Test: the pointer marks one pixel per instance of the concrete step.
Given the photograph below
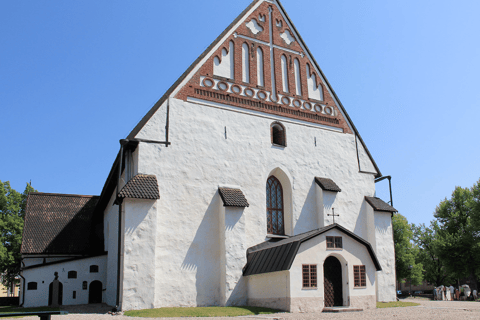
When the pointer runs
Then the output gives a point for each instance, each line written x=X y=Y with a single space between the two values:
x=341 y=309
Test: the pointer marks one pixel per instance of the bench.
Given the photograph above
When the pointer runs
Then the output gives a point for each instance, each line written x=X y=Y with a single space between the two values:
x=44 y=315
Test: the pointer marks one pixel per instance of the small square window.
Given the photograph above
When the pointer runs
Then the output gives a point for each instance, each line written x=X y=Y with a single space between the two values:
x=32 y=286
x=93 y=269
x=334 y=243
x=72 y=274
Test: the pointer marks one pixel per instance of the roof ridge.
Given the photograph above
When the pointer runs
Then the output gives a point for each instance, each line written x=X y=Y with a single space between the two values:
x=61 y=194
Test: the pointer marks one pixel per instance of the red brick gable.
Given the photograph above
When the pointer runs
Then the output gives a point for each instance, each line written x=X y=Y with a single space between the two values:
x=206 y=85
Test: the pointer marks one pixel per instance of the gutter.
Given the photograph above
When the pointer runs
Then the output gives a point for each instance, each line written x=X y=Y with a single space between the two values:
x=23 y=290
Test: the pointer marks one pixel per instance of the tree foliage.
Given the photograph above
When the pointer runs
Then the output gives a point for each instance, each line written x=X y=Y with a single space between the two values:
x=429 y=243
x=12 y=213
x=405 y=253
x=458 y=228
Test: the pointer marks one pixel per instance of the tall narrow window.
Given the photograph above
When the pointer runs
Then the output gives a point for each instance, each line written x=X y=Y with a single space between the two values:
x=298 y=84
x=260 y=80
x=284 y=73
x=278 y=134
x=309 y=275
x=245 y=64
x=359 y=276
x=275 y=224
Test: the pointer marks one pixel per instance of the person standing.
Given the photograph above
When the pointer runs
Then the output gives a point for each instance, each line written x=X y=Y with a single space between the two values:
x=452 y=292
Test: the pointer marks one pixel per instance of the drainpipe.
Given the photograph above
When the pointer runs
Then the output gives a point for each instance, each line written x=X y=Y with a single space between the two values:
x=23 y=291
x=120 y=226
x=389 y=186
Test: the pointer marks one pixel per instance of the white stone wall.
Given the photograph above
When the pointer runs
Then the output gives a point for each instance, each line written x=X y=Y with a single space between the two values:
x=314 y=251
x=110 y=224
x=139 y=254
x=45 y=275
x=385 y=251
x=270 y=290
x=201 y=157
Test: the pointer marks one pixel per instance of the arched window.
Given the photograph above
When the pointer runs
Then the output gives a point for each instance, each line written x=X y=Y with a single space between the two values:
x=298 y=84
x=278 y=134
x=72 y=274
x=275 y=221
x=93 y=268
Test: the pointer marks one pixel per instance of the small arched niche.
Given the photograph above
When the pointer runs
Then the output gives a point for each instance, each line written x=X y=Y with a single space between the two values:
x=286 y=188
x=278 y=134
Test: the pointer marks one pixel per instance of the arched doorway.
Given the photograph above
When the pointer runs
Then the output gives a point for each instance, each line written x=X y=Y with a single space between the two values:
x=60 y=293
x=332 y=272
x=95 y=292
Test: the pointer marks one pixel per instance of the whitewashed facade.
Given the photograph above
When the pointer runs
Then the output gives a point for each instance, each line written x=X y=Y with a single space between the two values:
x=215 y=129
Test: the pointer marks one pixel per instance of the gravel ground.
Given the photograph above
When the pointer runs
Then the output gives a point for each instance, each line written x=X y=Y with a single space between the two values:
x=438 y=310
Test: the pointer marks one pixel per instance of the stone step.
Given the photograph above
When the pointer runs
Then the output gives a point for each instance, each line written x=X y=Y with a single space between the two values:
x=341 y=309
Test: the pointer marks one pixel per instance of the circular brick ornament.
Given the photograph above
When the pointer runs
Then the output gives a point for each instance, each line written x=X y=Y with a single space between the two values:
x=207 y=82
x=286 y=101
x=262 y=95
x=236 y=89
x=222 y=85
x=307 y=105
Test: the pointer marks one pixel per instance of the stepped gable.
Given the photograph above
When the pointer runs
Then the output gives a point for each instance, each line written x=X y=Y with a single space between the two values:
x=238 y=71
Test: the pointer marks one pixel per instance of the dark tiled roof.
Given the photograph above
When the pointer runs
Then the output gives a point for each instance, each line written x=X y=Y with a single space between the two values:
x=327 y=184
x=141 y=186
x=278 y=255
x=233 y=197
x=380 y=205
x=61 y=224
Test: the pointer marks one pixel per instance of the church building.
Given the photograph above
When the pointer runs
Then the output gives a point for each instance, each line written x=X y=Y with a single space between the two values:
x=247 y=183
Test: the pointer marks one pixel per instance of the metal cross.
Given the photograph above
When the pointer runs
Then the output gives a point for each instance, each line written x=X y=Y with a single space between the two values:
x=333 y=214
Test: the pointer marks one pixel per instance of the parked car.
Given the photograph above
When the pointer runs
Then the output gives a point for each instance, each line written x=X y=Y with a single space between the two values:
x=418 y=292
x=399 y=292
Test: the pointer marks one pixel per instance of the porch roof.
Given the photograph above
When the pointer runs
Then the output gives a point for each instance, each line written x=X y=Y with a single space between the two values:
x=278 y=255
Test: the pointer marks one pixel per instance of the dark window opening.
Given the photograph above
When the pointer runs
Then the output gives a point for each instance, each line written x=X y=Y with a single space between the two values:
x=72 y=274
x=32 y=286
x=278 y=134
x=359 y=276
x=275 y=223
x=334 y=242
x=85 y=285
x=309 y=275
x=74 y=294
x=93 y=269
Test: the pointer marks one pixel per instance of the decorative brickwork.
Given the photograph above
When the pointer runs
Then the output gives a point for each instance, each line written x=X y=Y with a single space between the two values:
x=271 y=98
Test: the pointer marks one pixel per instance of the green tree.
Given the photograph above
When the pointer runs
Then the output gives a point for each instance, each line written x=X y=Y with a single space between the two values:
x=406 y=265
x=458 y=220
x=429 y=244
x=12 y=213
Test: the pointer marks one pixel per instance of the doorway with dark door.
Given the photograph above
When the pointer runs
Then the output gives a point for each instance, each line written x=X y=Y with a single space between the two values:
x=333 y=286
x=95 y=292
x=60 y=293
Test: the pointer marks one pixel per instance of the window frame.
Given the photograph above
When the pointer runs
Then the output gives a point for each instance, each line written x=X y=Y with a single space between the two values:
x=72 y=274
x=32 y=285
x=359 y=276
x=274 y=137
x=334 y=242
x=309 y=276
x=92 y=267
x=270 y=227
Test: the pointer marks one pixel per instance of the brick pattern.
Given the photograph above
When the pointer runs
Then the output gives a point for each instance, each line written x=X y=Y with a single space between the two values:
x=380 y=205
x=193 y=88
x=60 y=223
x=233 y=197
x=327 y=184
x=141 y=186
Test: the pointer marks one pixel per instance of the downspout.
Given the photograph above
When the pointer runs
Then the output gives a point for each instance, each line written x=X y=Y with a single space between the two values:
x=23 y=290
x=389 y=186
x=119 y=261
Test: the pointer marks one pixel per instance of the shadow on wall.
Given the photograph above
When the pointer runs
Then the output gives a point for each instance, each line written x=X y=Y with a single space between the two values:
x=238 y=297
x=133 y=220
x=203 y=256
x=307 y=220
x=361 y=225
x=82 y=234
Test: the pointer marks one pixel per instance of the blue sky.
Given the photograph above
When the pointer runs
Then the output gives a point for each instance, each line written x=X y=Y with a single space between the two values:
x=76 y=76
